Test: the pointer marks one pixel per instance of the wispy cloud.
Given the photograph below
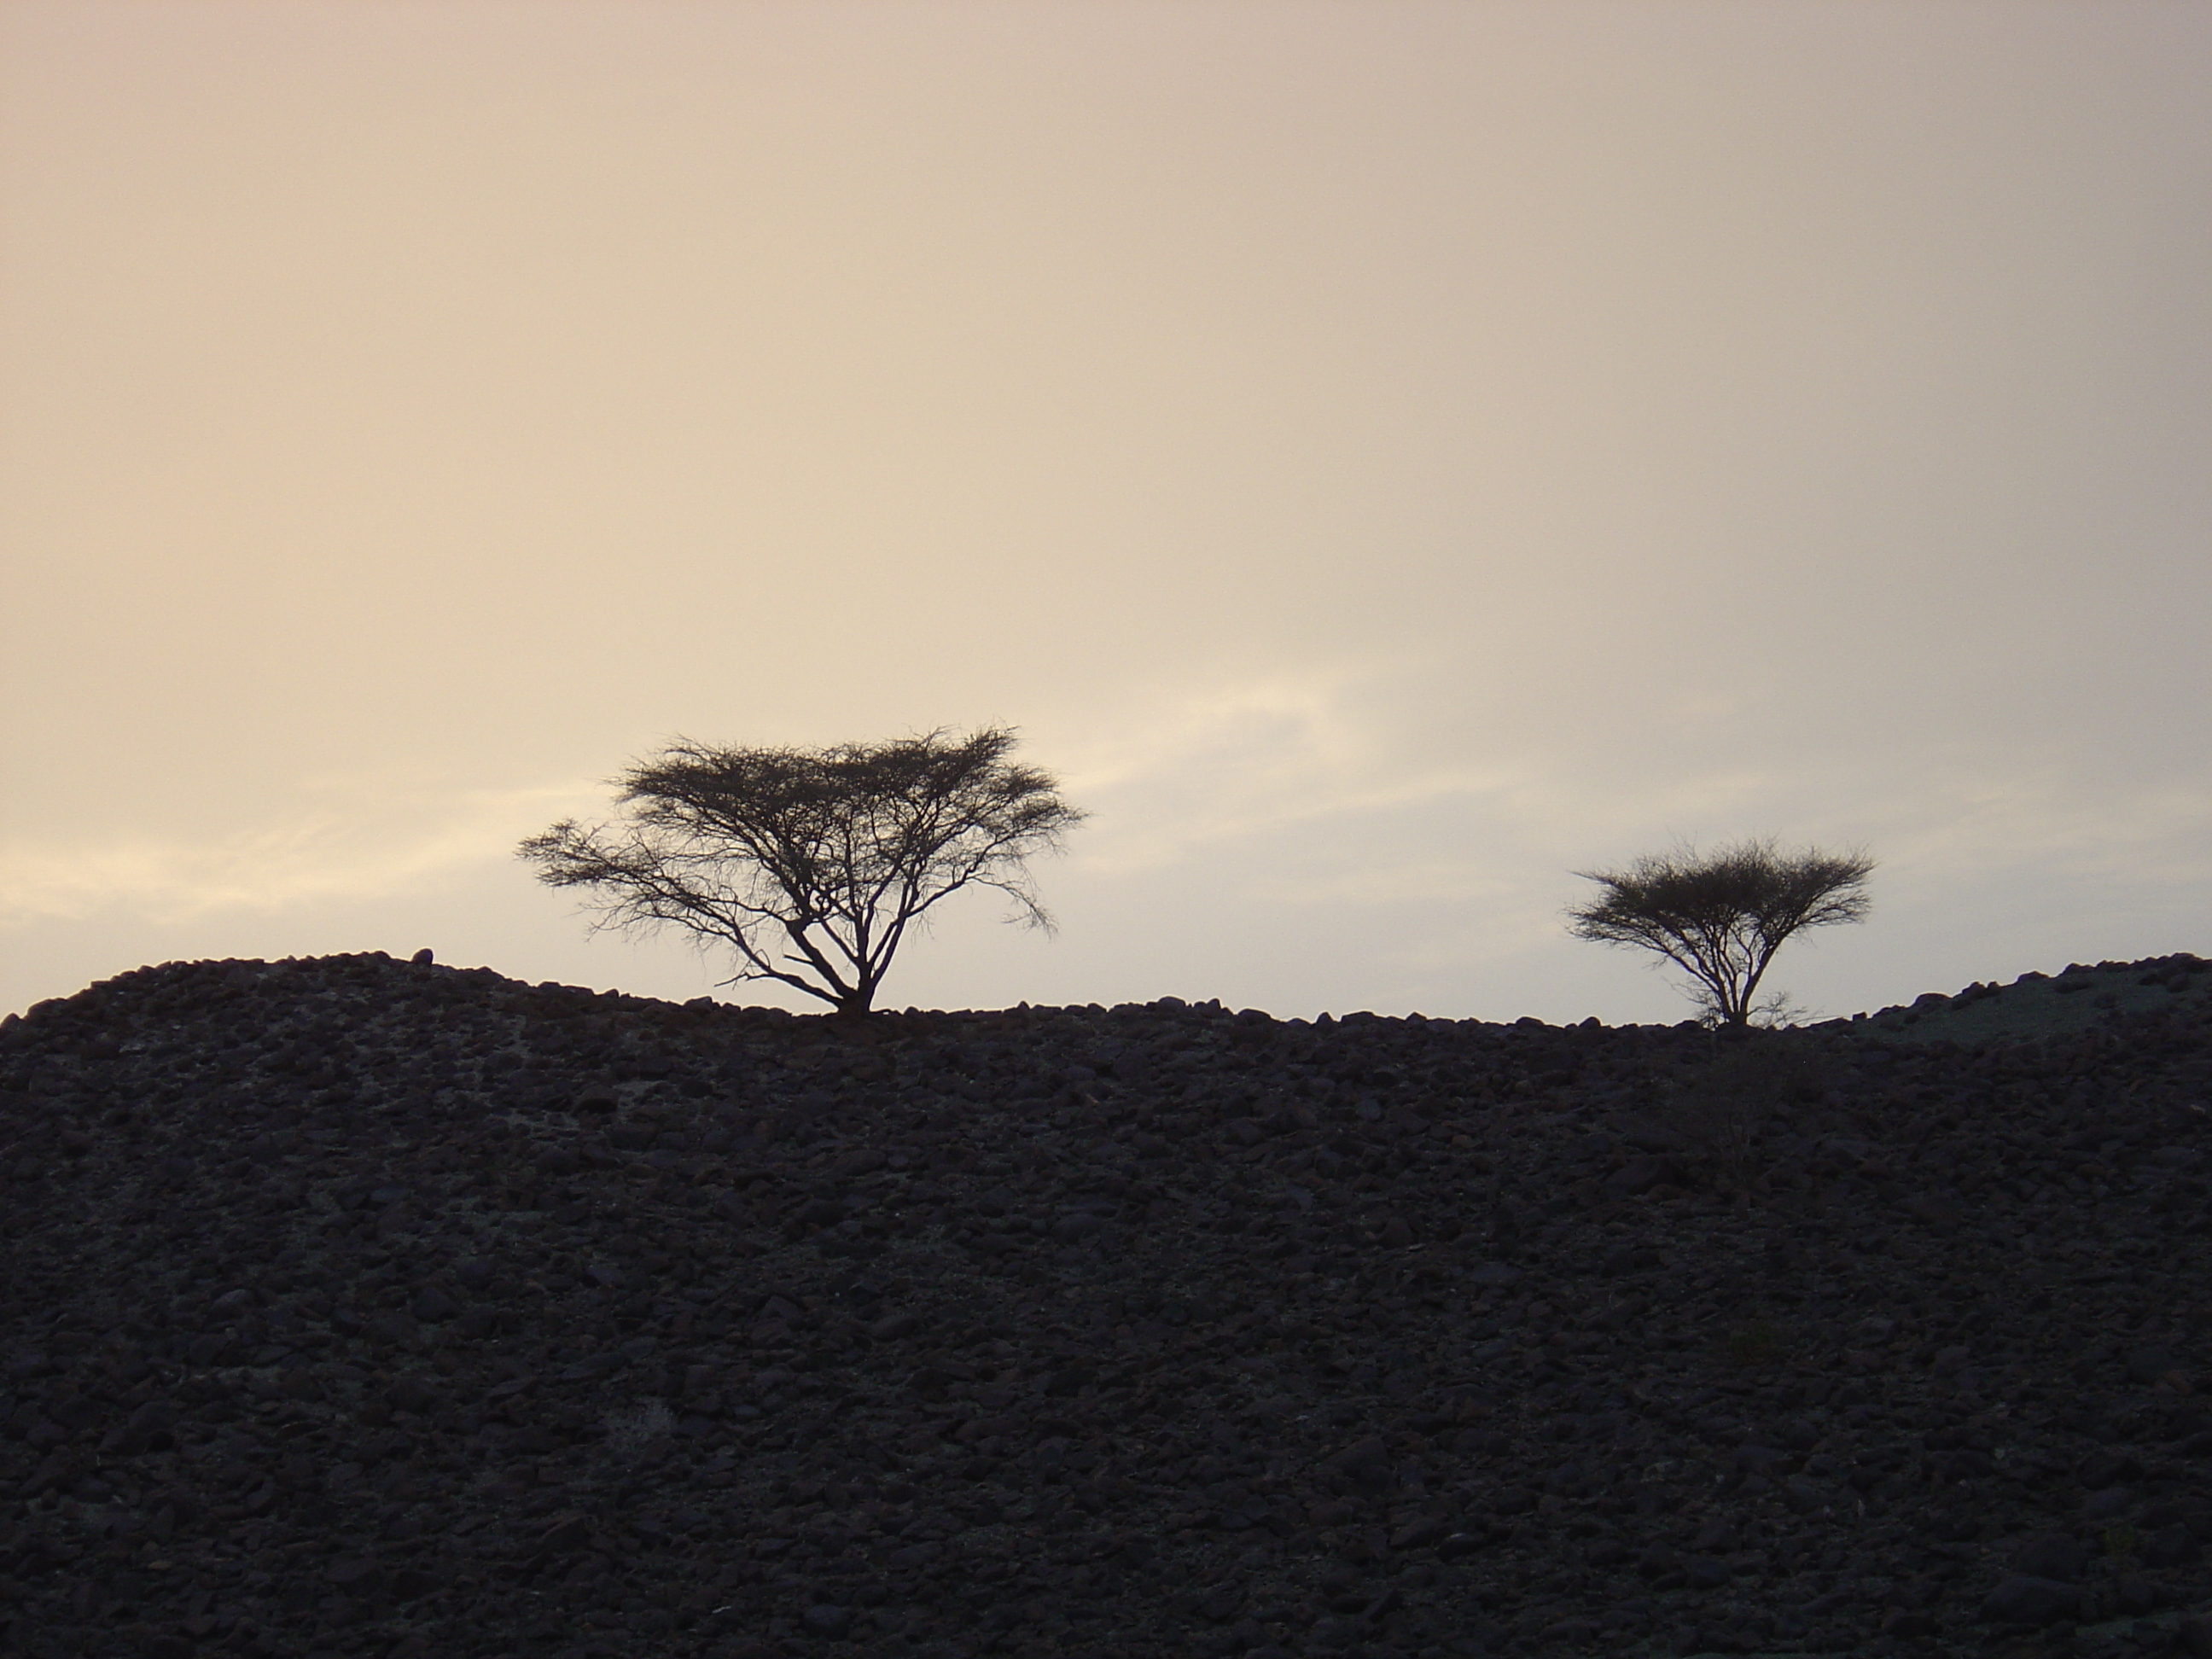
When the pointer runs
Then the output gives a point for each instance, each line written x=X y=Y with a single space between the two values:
x=1368 y=785
x=1271 y=756
x=2050 y=816
x=348 y=839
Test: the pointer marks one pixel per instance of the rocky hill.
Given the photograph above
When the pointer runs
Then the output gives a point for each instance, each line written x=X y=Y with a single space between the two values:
x=354 y=1306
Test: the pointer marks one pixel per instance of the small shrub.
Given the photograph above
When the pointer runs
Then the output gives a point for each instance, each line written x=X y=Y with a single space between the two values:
x=1722 y=1110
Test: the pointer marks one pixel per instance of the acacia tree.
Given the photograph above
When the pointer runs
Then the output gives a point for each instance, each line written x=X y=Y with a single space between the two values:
x=1721 y=916
x=812 y=864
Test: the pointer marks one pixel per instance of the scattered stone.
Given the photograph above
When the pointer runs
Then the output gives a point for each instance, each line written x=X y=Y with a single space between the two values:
x=412 y=1394
x=464 y=1315
x=2107 y=1505
x=2029 y=1601
x=824 y=1620
x=2055 y=1555
x=1938 y=1213
x=1641 y=1176
x=1421 y=1533
x=433 y=1307
x=1707 y=1572
x=1628 y=1259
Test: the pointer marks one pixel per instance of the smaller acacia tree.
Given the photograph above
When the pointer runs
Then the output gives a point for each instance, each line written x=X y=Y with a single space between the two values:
x=1721 y=916
x=812 y=863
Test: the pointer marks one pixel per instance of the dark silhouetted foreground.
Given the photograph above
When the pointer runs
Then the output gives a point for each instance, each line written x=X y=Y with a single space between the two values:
x=366 y=1308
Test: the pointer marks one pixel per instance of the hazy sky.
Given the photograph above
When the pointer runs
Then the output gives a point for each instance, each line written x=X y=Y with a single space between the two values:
x=1384 y=457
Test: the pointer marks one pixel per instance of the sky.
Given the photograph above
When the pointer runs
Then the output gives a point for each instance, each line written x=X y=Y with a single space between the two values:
x=1385 y=457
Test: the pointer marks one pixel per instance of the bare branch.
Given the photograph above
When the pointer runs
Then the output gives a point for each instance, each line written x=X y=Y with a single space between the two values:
x=1722 y=916
x=829 y=853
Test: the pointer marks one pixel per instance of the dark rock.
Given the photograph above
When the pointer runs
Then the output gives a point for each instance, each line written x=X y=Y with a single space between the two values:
x=2108 y=1505
x=356 y=1575
x=2110 y=1467
x=1718 y=1532
x=2030 y=1600
x=1628 y=1259
x=1806 y=1497
x=2170 y=1546
x=2148 y=1364
x=2054 y=1555
x=1366 y=1459
x=2137 y=1597
x=675 y=1428
x=433 y=1306
x=826 y=1620
x=1707 y=1571
x=1933 y=1211
x=1648 y=1137
x=565 y=1532
x=1421 y=1533
x=1759 y=1459
x=1640 y=1176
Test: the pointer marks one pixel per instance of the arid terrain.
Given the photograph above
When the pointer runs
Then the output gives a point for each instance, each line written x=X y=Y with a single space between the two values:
x=362 y=1307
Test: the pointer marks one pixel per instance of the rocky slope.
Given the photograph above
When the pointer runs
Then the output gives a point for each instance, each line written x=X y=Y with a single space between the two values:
x=354 y=1306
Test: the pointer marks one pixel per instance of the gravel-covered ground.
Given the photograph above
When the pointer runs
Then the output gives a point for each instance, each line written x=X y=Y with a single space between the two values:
x=354 y=1306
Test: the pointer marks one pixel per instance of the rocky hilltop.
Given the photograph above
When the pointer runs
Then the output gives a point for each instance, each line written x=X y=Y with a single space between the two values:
x=356 y=1306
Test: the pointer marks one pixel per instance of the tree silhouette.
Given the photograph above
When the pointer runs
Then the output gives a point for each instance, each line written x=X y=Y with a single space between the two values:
x=812 y=864
x=1721 y=916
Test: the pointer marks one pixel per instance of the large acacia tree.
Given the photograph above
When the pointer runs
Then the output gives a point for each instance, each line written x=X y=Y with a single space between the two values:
x=812 y=864
x=1721 y=916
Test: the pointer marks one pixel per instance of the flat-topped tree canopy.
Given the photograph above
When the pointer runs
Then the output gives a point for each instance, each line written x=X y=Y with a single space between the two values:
x=1722 y=915
x=812 y=864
